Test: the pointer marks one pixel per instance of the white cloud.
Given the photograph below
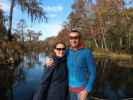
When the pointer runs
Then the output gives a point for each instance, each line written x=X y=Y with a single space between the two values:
x=54 y=9
x=5 y=7
x=52 y=15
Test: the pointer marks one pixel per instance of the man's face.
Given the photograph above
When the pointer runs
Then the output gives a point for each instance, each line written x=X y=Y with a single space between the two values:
x=74 y=39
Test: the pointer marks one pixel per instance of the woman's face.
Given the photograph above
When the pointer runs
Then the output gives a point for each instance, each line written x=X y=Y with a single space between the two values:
x=59 y=50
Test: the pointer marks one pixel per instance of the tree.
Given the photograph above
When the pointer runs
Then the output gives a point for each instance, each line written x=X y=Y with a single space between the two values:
x=3 y=30
x=83 y=18
x=1 y=20
x=32 y=42
x=32 y=7
x=106 y=24
x=32 y=35
x=21 y=25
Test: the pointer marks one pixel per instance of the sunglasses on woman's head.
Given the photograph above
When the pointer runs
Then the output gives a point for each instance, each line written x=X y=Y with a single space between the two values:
x=60 y=49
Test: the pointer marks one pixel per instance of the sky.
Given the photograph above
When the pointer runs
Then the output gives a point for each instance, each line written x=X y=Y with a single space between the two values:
x=57 y=12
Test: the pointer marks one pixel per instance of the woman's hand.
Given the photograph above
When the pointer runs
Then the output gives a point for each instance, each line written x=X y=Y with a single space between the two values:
x=49 y=62
x=83 y=95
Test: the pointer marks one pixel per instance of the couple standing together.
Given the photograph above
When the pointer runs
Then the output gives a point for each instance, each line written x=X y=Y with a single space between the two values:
x=71 y=74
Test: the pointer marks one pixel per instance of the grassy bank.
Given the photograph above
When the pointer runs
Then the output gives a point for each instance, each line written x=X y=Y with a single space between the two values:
x=102 y=53
x=121 y=59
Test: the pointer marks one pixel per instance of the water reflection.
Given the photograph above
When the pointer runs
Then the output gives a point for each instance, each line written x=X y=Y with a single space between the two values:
x=113 y=82
x=30 y=72
x=7 y=76
x=19 y=82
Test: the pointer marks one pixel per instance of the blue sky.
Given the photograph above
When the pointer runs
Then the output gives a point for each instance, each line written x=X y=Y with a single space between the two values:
x=57 y=12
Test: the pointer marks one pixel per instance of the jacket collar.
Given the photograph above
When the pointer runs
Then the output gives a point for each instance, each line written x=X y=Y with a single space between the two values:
x=59 y=59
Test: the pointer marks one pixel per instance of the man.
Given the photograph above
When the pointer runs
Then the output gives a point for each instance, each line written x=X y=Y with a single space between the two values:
x=81 y=68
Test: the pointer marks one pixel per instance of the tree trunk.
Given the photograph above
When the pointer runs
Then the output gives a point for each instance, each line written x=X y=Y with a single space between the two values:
x=22 y=35
x=10 y=19
x=0 y=5
x=96 y=43
x=1 y=17
x=104 y=42
x=121 y=44
x=129 y=39
x=102 y=45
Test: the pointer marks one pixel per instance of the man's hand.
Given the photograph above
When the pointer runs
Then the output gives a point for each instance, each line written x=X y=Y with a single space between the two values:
x=83 y=95
x=49 y=62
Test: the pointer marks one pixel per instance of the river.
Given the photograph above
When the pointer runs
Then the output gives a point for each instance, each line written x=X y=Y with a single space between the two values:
x=21 y=81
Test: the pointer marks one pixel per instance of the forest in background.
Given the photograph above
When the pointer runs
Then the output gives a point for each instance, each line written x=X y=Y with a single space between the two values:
x=105 y=25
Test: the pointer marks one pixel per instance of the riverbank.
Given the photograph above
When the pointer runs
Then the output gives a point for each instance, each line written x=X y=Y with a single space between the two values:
x=121 y=58
x=10 y=52
x=102 y=53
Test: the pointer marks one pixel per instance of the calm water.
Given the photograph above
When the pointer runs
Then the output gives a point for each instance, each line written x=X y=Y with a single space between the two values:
x=31 y=71
x=114 y=82
x=20 y=83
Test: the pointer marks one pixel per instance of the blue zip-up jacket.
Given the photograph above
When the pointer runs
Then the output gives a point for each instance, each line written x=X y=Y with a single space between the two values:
x=81 y=68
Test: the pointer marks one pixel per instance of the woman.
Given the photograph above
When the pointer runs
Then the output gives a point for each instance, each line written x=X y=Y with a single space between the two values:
x=54 y=85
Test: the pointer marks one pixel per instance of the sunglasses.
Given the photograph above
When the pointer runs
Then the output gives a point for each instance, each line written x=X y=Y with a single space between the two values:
x=60 y=49
x=73 y=37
